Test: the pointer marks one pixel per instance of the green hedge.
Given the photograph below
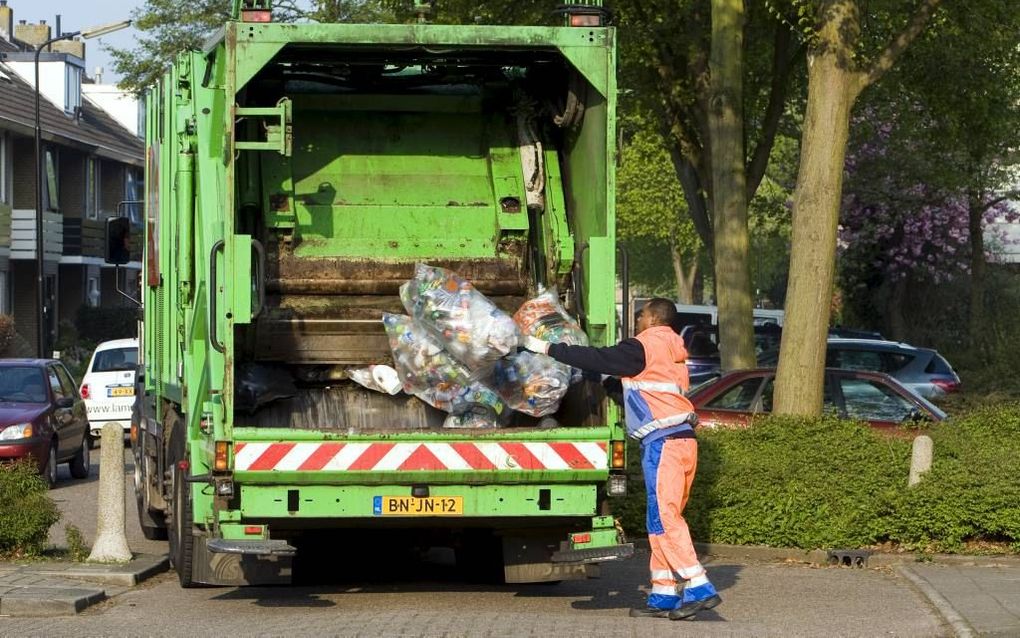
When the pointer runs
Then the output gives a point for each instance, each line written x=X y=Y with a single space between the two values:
x=26 y=509
x=821 y=483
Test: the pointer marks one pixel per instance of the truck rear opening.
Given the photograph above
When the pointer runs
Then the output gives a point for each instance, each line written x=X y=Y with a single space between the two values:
x=396 y=156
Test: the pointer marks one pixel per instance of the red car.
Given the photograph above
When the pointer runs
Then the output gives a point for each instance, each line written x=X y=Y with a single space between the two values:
x=43 y=417
x=732 y=399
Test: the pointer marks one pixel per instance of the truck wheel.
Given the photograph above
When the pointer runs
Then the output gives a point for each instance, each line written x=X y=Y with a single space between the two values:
x=182 y=540
x=153 y=524
x=82 y=461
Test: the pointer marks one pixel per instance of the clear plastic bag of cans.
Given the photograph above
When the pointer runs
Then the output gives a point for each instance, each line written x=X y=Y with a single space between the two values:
x=545 y=318
x=531 y=383
x=428 y=372
x=468 y=324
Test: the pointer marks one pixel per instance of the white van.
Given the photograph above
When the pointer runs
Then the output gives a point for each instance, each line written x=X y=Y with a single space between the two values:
x=108 y=386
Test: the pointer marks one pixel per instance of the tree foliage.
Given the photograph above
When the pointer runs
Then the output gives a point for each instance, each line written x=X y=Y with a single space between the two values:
x=930 y=166
x=170 y=27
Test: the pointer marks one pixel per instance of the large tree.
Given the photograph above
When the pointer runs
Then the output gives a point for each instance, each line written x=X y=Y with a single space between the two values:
x=843 y=60
x=717 y=76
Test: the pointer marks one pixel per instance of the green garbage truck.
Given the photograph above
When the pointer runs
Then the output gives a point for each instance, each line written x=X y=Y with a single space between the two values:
x=295 y=174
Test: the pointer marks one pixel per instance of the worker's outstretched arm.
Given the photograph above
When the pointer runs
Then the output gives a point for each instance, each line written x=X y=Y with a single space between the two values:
x=625 y=359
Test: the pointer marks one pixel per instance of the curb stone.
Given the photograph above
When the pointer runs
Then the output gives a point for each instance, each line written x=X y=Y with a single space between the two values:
x=938 y=601
x=48 y=601
x=142 y=567
x=56 y=589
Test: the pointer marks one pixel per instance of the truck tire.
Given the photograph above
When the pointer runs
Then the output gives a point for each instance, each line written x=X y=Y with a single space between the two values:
x=182 y=540
x=153 y=524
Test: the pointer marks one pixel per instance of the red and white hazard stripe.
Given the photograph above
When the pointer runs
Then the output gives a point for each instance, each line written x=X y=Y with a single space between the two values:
x=411 y=457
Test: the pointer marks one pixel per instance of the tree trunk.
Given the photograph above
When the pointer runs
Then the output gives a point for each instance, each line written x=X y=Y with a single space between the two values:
x=894 y=318
x=975 y=215
x=729 y=195
x=832 y=89
x=684 y=277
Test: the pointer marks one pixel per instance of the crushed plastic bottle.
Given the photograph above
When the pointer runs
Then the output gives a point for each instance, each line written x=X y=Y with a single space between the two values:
x=428 y=372
x=465 y=321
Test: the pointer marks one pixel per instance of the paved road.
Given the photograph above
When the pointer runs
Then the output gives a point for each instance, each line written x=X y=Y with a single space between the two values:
x=389 y=595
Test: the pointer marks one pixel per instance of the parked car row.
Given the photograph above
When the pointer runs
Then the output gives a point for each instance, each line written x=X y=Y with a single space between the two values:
x=922 y=370
x=46 y=417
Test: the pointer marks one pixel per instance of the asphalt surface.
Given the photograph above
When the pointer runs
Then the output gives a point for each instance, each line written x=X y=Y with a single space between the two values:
x=759 y=600
x=373 y=591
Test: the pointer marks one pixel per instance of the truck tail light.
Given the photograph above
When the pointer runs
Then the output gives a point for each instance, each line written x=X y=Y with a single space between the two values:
x=84 y=391
x=619 y=460
x=222 y=453
x=579 y=539
x=256 y=15
x=585 y=20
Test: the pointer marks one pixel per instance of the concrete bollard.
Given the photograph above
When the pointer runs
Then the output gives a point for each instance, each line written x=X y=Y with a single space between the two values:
x=111 y=544
x=920 y=460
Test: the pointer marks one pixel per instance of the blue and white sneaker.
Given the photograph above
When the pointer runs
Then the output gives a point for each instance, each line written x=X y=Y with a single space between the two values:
x=696 y=599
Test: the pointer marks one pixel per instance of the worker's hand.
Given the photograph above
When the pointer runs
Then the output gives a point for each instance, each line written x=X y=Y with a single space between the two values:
x=535 y=345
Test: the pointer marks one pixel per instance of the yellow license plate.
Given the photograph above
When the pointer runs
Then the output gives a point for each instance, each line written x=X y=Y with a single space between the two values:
x=122 y=392
x=414 y=506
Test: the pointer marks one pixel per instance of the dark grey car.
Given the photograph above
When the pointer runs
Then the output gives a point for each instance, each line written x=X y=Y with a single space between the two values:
x=922 y=370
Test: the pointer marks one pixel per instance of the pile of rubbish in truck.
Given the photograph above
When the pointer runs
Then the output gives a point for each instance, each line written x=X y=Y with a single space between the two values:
x=458 y=352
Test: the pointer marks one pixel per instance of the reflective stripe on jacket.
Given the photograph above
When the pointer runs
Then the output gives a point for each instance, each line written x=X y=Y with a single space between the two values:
x=653 y=400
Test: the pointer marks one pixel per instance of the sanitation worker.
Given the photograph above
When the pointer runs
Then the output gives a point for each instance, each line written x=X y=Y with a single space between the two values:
x=654 y=377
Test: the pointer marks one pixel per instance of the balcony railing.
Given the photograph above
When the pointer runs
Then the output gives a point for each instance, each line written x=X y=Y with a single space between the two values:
x=23 y=235
x=5 y=226
x=83 y=237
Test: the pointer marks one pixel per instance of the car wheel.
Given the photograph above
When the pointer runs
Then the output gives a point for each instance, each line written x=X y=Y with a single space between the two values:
x=50 y=473
x=81 y=464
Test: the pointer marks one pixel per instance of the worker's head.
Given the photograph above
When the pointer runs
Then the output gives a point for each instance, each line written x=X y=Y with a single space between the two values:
x=657 y=312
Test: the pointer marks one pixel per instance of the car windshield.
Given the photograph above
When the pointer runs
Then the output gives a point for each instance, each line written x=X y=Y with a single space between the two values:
x=22 y=384
x=115 y=360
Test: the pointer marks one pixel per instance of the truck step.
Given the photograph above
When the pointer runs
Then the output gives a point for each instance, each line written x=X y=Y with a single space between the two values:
x=252 y=547
x=594 y=554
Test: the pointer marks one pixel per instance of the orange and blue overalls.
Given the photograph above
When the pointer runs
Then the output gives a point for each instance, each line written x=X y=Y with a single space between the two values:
x=654 y=378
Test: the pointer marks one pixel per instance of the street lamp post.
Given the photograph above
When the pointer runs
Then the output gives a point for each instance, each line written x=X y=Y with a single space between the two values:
x=91 y=32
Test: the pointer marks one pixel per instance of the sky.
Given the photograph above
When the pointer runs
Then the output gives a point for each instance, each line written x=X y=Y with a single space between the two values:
x=79 y=14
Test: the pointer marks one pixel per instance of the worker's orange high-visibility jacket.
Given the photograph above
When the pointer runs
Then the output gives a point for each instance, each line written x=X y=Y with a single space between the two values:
x=653 y=400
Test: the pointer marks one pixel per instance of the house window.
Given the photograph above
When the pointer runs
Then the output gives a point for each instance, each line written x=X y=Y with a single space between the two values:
x=133 y=193
x=92 y=188
x=72 y=88
x=92 y=293
x=51 y=197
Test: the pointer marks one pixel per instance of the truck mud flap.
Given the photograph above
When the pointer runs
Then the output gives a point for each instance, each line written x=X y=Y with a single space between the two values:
x=228 y=563
x=594 y=554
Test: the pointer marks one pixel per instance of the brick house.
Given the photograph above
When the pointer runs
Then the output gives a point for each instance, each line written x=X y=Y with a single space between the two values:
x=93 y=166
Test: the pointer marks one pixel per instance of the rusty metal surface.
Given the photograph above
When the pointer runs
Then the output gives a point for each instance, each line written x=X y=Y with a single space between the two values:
x=288 y=273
